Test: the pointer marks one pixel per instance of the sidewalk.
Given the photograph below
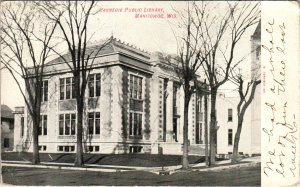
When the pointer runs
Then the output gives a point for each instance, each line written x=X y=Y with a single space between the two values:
x=225 y=164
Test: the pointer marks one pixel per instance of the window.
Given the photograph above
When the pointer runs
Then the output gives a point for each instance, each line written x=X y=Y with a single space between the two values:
x=94 y=85
x=66 y=148
x=94 y=123
x=45 y=91
x=199 y=133
x=67 y=88
x=6 y=143
x=22 y=126
x=43 y=125
x=230 y=114
x=135 y=87
x=67 y=124
x=136 y=104
x=135 y=124
x=229 y=136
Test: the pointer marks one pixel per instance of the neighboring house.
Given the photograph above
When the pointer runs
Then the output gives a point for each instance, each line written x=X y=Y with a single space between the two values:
x=227 y=112
x=134 y=103
x=7 y=128
x=227 y=122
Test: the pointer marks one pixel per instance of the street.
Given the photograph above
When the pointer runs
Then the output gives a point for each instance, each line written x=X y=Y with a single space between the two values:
x=244 y=176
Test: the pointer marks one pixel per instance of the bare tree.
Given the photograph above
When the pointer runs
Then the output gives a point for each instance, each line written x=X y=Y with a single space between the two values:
x=219 y=30
x=246 y=92
x=25 y=40
x=74 y=24
x=186 y=65
x=209 y=39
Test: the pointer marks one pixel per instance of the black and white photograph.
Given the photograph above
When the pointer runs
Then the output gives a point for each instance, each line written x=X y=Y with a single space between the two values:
x=149 y=93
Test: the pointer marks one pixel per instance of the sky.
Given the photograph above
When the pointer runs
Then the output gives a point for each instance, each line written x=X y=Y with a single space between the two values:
x=149 y=34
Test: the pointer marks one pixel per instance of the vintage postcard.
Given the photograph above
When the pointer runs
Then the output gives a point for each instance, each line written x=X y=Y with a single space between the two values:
x=149 y=93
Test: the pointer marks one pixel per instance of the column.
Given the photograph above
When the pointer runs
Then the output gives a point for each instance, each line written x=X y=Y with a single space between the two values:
x=169 y=112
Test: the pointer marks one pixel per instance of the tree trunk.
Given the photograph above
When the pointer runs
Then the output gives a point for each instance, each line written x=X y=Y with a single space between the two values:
x=35 y=115
x=213 y=129
x=35 y=136
x=80 y=103
x=237 y=139
x=206 y=131
x=185 y=161
x=79 y=151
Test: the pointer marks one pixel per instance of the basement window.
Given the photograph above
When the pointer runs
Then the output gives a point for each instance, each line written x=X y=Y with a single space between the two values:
x=42 y=148
x=66 y=148
x=135 y=149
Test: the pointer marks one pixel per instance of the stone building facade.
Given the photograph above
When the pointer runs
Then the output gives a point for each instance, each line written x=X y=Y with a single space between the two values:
x=134 y=103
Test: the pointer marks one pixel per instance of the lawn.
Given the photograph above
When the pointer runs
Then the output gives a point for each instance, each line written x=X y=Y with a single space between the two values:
x=245 y=176
x=143 y=160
